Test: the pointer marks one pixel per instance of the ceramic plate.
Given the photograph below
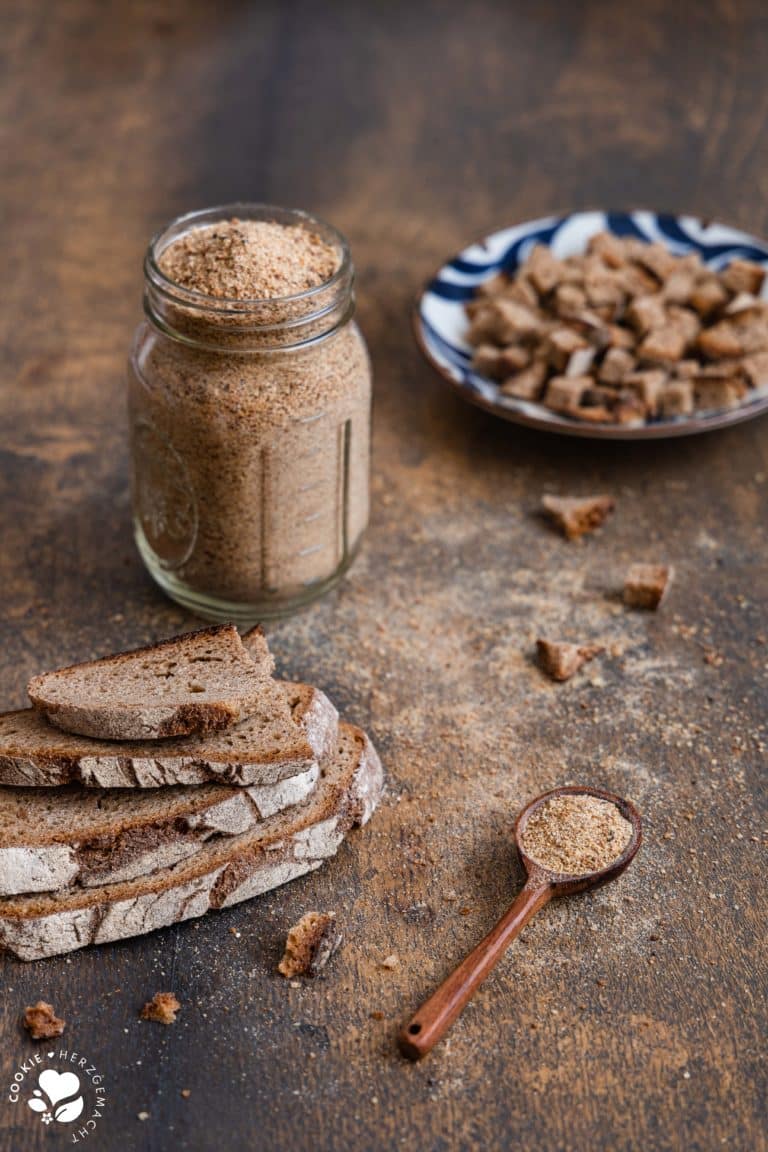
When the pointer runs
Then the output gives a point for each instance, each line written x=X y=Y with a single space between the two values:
x=441 y=324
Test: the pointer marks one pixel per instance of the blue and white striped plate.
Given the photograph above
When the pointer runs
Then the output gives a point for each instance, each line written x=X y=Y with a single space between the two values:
x=441 y=323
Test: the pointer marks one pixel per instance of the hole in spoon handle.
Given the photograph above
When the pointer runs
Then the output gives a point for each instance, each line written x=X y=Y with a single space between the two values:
x=437 y=1014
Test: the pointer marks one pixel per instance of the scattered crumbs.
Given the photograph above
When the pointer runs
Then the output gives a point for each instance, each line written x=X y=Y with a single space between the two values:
x=391 y=961
x=185 y=1093
x=310 y=945
x=41 y=1021
x=377 y=1015
x=143 y=1115
x=162 y=1008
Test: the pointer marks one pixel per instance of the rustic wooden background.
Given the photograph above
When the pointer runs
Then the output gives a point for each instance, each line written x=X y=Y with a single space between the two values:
x=633 y=1018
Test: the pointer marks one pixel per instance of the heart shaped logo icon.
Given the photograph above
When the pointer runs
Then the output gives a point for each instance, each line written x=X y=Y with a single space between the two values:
x=58 y=1085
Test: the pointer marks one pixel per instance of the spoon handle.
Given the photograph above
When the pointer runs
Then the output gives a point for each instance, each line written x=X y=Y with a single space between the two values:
x=436 y=1015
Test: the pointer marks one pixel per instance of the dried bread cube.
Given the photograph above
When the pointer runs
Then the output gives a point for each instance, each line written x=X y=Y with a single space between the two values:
x=647 y=386
x=564 y=393
x=497 y=363
x=714 y=392
x=486 y=359
x=494 y=286
x=511 y=321
x=617 y=363
x=752 y=329
x=708 y=295
x=560 y=345
x=577 y=515
x=678 y=286
x=646 y=313
x=743 y=276
x=657 y=258
x=561 y=660
x=609 y=248
x=544 y=269
x=686 y=321
x=604 y=290
x=756 y=369
x=616 y=336
x=513 y=358
x=663 y=345
x=527 y=384
x=686 y=369
x=645 y=585
x=676 y=398
x=636 y=281
x=569 y=300
x=628 y=408
x=720 y=340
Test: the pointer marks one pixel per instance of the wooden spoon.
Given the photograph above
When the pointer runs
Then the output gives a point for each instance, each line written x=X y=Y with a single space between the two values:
x=436 y=1016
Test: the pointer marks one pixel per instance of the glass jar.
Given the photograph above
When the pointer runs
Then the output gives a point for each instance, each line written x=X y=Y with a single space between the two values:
x=249 y=434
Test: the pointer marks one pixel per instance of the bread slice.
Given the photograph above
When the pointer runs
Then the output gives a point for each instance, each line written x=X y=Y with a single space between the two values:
x=56 y=839
x=200 y=682
x=267 y=747
x=220 y=874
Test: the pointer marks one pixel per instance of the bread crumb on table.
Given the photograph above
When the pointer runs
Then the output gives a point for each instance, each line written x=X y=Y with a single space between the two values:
x=391 y=961
x=162 y=1008
x=575 y=516
x=309 y=945
x=41 y=1021
x=561 y=660
x=645 y=585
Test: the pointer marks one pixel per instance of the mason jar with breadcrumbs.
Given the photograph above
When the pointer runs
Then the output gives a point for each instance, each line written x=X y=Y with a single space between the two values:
x=249 y=408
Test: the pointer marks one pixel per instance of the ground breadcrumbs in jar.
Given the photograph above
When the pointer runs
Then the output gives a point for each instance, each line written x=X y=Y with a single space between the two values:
x=249 y=399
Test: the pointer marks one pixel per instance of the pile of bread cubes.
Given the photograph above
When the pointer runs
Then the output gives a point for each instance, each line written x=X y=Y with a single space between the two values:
x=145 y=788
x=625 y=333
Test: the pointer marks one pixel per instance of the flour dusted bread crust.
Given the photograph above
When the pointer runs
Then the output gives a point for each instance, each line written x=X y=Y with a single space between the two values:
x=218 y=875
x=54 y=839
x=199 y=682
x=269 y=746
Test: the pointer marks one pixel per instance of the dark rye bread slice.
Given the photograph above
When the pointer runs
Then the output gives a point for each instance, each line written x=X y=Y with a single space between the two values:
x=199 y=682
x=267 y=747
x=220 y=874
x=54 y=839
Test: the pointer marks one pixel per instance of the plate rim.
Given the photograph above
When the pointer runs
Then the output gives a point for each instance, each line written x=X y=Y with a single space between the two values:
x=723 y=418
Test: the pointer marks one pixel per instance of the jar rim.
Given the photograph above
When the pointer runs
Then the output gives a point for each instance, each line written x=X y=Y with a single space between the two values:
x=244 y=210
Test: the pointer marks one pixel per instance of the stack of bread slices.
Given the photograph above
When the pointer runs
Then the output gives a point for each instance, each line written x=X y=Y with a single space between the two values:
x=148 y=787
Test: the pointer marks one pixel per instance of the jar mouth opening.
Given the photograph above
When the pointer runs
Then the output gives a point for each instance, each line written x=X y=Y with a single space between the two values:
x=225 y=305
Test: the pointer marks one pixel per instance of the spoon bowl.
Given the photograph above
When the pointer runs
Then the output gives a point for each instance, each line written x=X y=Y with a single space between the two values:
x=565 y=883
x=542 y=884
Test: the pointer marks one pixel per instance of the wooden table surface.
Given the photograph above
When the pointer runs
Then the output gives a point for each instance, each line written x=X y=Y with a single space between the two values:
x=632 y=1018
